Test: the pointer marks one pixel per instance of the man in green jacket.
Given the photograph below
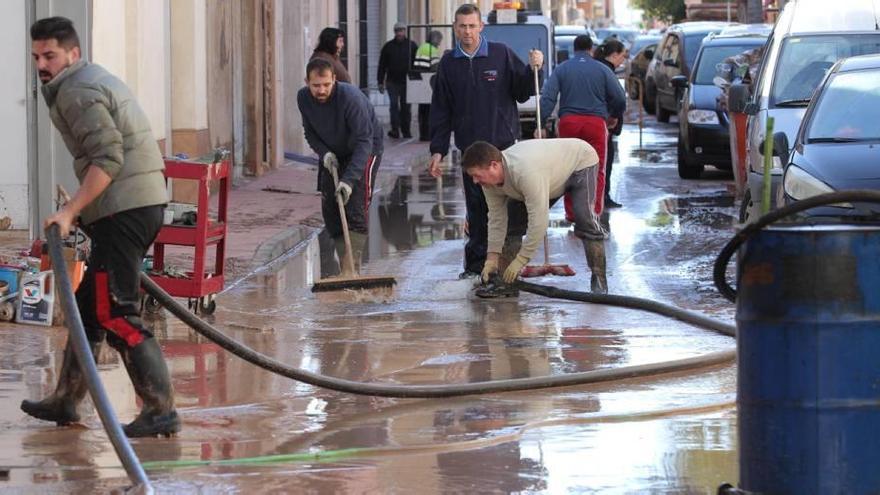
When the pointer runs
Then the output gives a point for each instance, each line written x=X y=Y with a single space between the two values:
x=119 y=204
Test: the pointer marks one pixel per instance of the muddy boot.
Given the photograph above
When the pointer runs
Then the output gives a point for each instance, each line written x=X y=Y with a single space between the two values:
x=60 y=407
x=495 y=288
x=149 y=374
x=358 y=245
x=595 y=251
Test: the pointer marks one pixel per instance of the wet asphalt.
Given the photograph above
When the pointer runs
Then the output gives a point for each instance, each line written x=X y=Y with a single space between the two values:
x=673 y=433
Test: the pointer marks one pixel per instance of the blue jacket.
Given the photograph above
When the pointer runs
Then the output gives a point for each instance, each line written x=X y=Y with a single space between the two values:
x=476 y=97
x=588 y=87
x=346 y=125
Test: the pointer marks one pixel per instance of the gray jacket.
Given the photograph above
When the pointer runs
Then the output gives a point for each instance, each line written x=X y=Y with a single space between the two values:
x=102 y=125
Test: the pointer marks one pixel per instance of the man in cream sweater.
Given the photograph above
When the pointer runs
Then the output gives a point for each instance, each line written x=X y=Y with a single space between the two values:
x=538 y=172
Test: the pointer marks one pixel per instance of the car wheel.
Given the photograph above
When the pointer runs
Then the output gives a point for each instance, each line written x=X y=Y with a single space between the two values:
x=745 y=207
x=650 y=95
x=662 y=115
x=687 y=168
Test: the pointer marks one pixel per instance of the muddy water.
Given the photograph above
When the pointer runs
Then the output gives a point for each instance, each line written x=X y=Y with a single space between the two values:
x=668 y=434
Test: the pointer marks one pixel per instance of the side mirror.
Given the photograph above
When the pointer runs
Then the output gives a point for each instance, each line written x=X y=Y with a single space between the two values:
x=649 y=54
x=670 y=63
x=738 y=97
x=561 y=56
x=780 y=147
x=679 y=82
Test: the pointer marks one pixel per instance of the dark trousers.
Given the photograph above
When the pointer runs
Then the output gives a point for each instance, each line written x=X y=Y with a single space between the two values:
x=358 y=206
x=108 y=297
x=609 y=162
x=424 y=122
x=478 y=223
x=399 y=109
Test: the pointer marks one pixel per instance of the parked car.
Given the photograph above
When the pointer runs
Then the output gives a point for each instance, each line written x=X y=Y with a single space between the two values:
x=838 y=144
x=636 y=65
x=675 y=55
x=704 y=129
x=564 y=36
x=808 y=38
x=626 y=35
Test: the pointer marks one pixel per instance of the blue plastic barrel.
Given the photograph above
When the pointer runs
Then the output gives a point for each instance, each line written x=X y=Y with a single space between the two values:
x=808 y=320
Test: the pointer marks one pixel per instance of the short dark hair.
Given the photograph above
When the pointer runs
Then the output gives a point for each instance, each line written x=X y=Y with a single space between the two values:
x=479 y=155
x=56 y=28
x=319 y=65
x=583 y=43
x=466 y=9
x=327 y=40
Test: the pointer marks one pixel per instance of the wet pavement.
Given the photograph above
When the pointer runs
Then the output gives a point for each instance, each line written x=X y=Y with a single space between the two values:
x=672 y=433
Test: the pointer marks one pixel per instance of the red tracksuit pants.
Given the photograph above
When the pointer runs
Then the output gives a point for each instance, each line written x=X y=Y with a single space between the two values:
x=594 y=131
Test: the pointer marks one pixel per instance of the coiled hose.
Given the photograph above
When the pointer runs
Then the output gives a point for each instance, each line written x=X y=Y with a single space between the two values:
x=84 y=356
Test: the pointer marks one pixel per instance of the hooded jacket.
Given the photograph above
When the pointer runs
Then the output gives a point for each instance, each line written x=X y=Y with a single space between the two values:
x=103 y=126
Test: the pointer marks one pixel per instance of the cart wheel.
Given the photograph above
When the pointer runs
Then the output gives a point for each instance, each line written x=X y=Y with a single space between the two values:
x=7 y=311
x=207 y=305
x=151 y=305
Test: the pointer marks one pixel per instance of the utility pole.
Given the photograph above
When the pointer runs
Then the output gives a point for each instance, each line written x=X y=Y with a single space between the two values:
x=754 y=11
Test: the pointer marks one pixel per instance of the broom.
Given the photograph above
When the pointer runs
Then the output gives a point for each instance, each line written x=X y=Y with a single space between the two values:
x=545 y=269
x=349 y=279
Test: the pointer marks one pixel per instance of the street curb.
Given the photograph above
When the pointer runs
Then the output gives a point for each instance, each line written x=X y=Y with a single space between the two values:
x=289 y=240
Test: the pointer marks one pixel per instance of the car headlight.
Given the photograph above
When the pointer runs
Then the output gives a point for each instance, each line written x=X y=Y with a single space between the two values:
x=798 y=184
x=702 y=117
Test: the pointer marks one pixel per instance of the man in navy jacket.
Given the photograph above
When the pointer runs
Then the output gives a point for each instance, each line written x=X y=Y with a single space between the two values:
x=477 y=88
x=340 y=125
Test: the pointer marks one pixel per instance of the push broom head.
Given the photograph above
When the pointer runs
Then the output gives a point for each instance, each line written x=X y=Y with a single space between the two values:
x=343 y=283
x=532 y=271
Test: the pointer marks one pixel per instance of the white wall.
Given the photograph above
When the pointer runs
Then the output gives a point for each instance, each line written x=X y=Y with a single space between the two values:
x=189 y=104
x=13 y=108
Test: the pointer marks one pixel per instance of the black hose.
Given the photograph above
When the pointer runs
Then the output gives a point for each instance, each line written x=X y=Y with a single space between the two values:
x=437 y=391
x=720 y=270
x=84 y=356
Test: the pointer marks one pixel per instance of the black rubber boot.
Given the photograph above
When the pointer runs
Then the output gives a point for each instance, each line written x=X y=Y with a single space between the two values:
x=595 y=251
x=152 y=382
x=60 y=407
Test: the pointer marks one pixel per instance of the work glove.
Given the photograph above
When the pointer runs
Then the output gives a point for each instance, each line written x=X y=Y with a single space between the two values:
x=489 y=267
x=514 y=268
x=382 y=89
x=344 y=191
x=536 y=58
x=330 y=162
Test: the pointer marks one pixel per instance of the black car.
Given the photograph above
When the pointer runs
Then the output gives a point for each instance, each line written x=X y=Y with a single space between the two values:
x=838 y=144
x=704 y=130
x=675 y=55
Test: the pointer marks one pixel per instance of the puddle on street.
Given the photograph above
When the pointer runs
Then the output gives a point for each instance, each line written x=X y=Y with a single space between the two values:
x=669 y=433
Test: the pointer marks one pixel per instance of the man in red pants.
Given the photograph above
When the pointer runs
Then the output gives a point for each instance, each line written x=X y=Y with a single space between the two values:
x=588 y=92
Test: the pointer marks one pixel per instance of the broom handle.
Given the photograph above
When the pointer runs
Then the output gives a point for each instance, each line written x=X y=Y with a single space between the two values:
x=546 y=250
x=540 y=135
x=349 y=259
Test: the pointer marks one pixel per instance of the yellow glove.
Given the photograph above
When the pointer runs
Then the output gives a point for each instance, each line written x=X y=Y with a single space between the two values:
x=489 y=267
x=514 y=268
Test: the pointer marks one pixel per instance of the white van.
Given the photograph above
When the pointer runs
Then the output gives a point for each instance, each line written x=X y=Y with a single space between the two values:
x=808 y=38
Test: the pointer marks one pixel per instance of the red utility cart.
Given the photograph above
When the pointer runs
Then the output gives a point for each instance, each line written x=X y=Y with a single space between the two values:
x=198 y=285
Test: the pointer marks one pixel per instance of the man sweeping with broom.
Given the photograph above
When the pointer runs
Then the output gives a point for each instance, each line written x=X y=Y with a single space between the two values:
x=341 y=127
x=564 y=166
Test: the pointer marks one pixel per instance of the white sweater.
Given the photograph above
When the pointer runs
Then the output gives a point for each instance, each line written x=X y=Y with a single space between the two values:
x=535 y=171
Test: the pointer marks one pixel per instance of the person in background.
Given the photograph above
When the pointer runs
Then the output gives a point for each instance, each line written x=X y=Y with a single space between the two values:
x=331 y=41
x=341 y=127
x=612 y=53
x=119 y=205
x=394 y=60
x=477 y=88
x=426 y=60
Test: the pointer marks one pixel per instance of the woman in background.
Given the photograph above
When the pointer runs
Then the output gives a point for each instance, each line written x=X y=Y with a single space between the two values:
x=611 y=53
x=330 y=44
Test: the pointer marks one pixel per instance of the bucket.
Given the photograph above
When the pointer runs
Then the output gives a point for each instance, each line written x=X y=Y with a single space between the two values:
x=10 y=275
x=808 y=323
x=36 y=301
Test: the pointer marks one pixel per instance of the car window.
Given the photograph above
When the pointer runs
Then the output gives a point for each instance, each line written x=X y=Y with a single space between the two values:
x=804 y=60
x=707 y=65
x=692 y=44
x=640 y=43
x=847 y=108
x=671 y=49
